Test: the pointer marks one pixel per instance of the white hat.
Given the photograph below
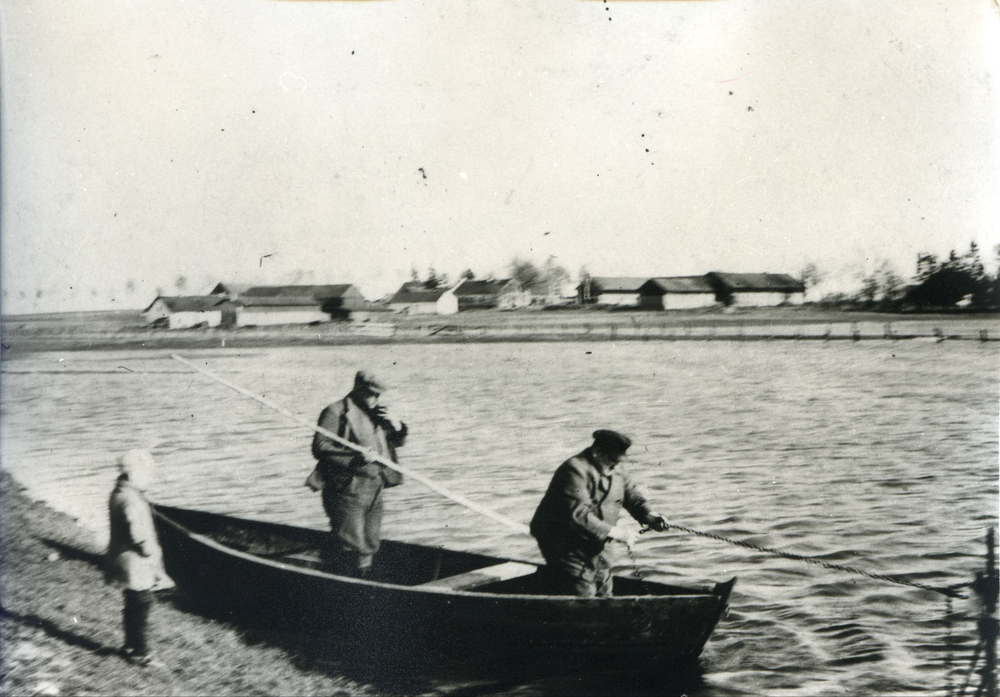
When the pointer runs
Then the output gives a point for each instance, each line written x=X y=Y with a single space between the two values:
x=139 y=466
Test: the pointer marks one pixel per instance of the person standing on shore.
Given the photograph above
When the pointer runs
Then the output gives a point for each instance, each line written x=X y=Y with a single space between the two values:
x=352 y=482
x=578 y=516
x=134 y=558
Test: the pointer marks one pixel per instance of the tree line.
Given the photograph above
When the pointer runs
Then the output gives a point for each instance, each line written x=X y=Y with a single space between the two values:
x=959 y=281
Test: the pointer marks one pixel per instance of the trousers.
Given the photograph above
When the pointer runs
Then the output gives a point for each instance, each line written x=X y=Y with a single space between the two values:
x=136 y=618
x=355 y=522
x=590 y=580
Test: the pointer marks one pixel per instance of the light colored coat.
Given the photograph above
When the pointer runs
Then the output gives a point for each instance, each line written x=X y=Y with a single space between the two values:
x=134 y=558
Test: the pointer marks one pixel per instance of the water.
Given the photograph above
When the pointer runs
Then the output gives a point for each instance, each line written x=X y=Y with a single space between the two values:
x=876 y=455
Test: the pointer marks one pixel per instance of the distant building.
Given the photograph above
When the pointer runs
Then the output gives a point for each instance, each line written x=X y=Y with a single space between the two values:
x=611 y=290
x=756 y=289
x=473 y=294
x=231 y=290
x=306 y=304
x=340 y=296
x=244 y=305
x=415 y=300
x=545 y=292
x=269 y=311
x=184 y=312
x=677 y=293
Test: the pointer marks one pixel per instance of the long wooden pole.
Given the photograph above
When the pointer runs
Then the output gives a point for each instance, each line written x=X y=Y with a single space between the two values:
x=370 y=454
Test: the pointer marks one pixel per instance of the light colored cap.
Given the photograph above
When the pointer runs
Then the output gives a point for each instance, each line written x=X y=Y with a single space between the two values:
x=139 y=466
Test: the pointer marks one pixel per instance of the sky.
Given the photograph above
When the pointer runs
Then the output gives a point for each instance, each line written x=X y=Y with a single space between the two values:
x=158 y=147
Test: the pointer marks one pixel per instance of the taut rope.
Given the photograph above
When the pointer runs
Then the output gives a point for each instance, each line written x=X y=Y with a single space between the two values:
x=950 y=591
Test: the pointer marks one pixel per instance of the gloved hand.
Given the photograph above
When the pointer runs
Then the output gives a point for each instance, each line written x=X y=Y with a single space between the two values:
x=622 y=533
x=657 y=522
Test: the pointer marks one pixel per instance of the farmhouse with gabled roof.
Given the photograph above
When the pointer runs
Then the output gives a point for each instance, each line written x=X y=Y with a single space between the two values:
x=756 y=289
x=677 y=293
x=413 y=300
x=186 y=311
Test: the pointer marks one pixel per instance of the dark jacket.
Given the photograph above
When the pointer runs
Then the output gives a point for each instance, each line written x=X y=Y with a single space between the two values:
x=581 y=505
x=338 y=463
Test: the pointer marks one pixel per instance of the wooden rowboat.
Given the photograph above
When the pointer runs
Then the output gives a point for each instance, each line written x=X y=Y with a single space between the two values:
x=420 y=595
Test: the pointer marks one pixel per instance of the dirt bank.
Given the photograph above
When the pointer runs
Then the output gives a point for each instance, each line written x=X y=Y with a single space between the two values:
x=60 y=626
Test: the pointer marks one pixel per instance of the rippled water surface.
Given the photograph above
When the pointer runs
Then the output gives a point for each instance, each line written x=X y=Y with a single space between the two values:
x=876 y=455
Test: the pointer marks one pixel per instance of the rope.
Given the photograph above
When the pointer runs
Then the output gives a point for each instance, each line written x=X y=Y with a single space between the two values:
x=950 y=591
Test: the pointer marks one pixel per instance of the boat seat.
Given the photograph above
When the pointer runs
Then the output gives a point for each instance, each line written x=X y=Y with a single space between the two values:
x=482 y=577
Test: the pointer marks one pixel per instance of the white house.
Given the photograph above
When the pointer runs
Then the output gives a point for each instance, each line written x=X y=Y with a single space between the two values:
x=413 y=300
x=474 y=294
x=183 y=312
x=611 y=290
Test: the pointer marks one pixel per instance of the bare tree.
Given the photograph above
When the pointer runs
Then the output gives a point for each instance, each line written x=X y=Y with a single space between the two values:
x=555 y=276
x=525 y=273
x=811 y=276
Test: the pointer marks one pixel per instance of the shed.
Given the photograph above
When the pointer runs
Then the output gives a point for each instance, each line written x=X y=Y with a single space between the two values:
x=677 y=293
x=611 y=290
x=186 y=311
x=437 y=301
x=502 y=293
x=757 y=289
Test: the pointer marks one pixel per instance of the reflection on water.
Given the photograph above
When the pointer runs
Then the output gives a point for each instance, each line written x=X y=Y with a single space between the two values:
x=877 y=455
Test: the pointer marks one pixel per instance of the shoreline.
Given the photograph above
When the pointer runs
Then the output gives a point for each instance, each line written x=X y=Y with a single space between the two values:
x=124 y=330
x=60 y=625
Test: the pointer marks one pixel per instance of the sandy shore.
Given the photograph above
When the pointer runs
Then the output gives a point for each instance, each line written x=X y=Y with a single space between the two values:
x=60 y=626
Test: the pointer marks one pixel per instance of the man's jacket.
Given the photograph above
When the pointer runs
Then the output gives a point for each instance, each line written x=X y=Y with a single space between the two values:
x=581 y=505
x=337 y=463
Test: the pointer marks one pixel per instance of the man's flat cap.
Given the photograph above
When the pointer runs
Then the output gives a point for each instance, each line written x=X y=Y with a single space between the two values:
x=611 y=441
x=365 y=380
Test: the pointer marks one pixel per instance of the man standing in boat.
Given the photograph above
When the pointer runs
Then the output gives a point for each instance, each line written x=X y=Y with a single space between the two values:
x=351 y=481
x=578 y=516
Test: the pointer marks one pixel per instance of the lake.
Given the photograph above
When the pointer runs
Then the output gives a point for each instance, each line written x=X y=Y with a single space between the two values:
x=879 y=455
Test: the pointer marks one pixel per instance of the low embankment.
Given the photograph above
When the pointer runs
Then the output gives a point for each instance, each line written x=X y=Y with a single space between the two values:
x=125 y=330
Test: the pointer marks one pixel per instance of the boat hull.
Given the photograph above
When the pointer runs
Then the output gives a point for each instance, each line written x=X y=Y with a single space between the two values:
x=249 y=571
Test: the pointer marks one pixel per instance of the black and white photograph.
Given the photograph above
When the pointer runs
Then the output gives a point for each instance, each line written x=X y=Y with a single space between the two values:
x=537 y=348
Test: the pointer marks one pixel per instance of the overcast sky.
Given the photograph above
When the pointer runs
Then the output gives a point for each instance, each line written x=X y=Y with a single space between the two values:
x=337 y=141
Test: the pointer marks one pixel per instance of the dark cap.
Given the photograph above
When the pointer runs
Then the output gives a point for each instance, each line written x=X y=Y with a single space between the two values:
x=366 y=381
x=611 y=442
